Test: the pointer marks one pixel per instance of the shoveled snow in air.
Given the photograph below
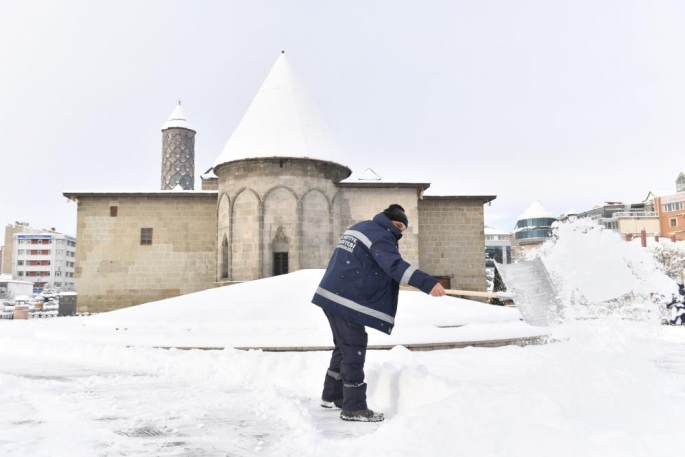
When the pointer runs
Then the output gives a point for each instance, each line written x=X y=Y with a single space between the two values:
x=611 y=383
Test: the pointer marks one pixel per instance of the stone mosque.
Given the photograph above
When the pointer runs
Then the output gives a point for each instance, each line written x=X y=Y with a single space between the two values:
x=276 y=200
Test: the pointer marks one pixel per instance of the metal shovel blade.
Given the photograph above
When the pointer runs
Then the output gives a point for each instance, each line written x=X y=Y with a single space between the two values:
x=533 y=292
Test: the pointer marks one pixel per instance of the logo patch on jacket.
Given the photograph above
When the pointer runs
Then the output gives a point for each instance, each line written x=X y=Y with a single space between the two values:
x=347 y=242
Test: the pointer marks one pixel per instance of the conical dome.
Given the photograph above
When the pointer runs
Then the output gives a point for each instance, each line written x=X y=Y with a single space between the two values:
x=281 y=121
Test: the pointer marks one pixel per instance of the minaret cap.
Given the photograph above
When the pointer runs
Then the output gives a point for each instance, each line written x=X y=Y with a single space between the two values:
x=178 y=119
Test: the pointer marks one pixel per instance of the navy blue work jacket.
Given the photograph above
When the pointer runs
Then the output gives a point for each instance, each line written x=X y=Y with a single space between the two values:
x=362 y=281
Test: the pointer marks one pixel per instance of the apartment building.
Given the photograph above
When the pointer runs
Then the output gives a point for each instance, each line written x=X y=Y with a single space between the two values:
x=626 y=218
x=497 y=246
x=672 y=215
x=44 y=258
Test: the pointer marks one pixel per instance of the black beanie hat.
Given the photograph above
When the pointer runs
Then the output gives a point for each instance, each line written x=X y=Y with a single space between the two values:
x=396 y=213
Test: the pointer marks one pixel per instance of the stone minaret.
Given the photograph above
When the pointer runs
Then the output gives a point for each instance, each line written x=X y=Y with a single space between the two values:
x=178 y=152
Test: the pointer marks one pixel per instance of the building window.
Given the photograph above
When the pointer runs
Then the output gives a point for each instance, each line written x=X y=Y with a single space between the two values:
x=280 y=263
x=146 y=236
x=113 y=211
x=672 y=222
x=673 y=207
x=224 y=258
x=21 y=252
x=60 y=241
x=20 y=262
x=445 y=281
x=58 y=273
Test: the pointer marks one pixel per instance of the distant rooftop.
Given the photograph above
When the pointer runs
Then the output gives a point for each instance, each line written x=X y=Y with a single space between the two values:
x=536 y=210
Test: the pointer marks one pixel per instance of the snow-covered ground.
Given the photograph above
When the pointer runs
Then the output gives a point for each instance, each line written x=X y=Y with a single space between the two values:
x=613 y=383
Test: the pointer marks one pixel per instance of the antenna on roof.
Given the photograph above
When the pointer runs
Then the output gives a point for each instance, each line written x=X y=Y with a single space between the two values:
x=179 y=102
x=282 y=52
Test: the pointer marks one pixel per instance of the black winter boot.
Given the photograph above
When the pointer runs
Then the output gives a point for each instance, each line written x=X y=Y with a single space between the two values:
x=361 y=415
x=337 y=403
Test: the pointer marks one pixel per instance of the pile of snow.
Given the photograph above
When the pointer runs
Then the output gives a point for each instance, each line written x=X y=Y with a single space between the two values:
x=610 y=386
x=277 y=312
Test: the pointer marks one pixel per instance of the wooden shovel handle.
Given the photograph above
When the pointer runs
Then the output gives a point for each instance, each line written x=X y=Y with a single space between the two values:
x=464 y=293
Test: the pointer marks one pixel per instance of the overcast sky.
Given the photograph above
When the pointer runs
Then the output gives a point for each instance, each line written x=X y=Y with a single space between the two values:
x=570 y=103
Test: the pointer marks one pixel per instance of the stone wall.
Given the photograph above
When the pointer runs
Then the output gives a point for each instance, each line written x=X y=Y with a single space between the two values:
x=113 y=269
x=8 y=250
x=210 y=184
x=452 y=239
x=357 y=204
x=317 y=230
x=265 y=194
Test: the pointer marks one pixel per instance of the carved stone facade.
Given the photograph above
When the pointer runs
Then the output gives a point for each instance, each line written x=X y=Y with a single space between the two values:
x=260 y=197
x=264 y=208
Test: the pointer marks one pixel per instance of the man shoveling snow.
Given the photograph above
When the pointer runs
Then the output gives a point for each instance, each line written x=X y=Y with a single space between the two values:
x=360 y=289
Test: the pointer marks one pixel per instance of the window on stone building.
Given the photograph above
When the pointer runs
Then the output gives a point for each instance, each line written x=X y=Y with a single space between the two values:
x=280 y=263
x=445 y=281
x=146 y=236
x=672 y=222
x=113 y=211
x=224 y=258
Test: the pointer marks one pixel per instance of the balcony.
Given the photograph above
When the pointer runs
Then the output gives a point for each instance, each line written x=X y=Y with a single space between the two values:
x=635 y=214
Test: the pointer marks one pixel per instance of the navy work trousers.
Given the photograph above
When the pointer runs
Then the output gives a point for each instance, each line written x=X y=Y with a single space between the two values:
x=345 y=376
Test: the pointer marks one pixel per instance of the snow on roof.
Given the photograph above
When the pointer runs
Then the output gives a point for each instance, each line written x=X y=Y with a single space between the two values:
x=209 y=174
x=74 y=194
x=13 y=281
x=178 y=119
x=369 y=178
x=536 y=210
x=281 y=121
x=369 y=175
x=494 y=231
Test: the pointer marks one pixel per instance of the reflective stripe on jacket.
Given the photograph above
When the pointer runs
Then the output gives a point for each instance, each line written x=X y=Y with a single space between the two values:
x=363 y=277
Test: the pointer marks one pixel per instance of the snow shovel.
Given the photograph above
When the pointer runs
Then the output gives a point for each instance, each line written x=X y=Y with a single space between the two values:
x=529 y=286
x=533 y=292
